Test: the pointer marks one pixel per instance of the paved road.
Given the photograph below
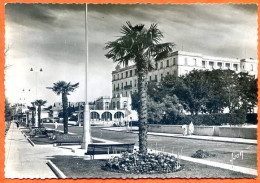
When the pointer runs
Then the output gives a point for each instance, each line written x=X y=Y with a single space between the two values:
x=222 y=150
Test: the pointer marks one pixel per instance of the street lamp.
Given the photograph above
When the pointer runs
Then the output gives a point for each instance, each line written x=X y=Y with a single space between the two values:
x=25 y=102
x=86 y=127
x=36 y=77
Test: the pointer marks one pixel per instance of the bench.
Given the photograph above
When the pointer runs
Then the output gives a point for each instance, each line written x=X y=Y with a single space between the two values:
x=98 y=148
x=67 y=139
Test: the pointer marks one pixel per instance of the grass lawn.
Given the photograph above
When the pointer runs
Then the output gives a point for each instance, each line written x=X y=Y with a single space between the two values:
x=47 y=140
x=222 y=150
x=77 y=167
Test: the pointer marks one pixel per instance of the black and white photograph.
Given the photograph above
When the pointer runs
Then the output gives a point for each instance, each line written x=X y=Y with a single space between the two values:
x=131 y=91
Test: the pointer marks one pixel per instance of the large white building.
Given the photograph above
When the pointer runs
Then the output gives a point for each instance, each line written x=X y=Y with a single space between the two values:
x=112 y=109
x=124 y=79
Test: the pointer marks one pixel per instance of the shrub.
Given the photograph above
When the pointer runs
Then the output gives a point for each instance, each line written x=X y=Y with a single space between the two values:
x=202 y=154
x=138 y=163
x=251 y=118
x=134 y=123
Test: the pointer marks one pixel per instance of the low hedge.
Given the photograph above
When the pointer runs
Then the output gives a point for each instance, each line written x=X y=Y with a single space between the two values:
x=214 y=119
x=251 y=118
x=239 y=117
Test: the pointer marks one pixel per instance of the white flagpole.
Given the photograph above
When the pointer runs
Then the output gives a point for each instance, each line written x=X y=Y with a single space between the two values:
x=86 y=126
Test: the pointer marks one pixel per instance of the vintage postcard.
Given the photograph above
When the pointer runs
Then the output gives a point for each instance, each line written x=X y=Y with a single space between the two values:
x=131 y=91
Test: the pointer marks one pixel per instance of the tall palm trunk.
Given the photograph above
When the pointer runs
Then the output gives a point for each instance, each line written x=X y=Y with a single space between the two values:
x=27 y=118
x=39 y=116
x=33 y=118
x=142 y=112
x=65 y=112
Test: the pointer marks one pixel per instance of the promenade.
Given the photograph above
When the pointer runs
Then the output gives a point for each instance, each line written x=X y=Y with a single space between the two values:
x=22 y=160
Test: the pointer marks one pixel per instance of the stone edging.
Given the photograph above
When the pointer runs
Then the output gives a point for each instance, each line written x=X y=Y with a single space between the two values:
x=56 y=170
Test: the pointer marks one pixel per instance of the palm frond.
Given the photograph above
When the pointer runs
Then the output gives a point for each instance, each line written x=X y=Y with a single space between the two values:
x=139 y=45
x=40 y=102
x=126 y=29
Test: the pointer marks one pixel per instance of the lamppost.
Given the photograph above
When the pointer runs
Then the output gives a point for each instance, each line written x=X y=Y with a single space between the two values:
x=36 y=77
x=36 y=89
x=86 y=126
x=25 y=102
x=21 y=106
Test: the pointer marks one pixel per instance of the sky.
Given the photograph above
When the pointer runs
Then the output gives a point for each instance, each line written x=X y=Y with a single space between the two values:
x=52 y=37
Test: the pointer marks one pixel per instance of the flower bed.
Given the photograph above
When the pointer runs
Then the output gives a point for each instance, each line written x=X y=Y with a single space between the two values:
x=137 y=163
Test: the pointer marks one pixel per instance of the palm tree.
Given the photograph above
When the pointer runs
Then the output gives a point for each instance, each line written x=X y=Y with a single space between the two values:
x=64 y=88
x=32 y=108
x=142 y=46
x=39 y=104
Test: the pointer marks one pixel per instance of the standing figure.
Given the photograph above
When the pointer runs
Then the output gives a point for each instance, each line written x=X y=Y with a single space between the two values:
x=191 y=128
x=184 y=127
x=56 y=125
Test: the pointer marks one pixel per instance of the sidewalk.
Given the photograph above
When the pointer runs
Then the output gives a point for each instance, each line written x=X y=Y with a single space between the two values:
x=197 y=137
x=22 y=160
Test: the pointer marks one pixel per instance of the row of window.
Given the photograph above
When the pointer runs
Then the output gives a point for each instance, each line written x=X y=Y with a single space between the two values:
x=133 y=72
x=193 y=62
x=168 y=64
x=126 y=93
x=211 y=64
x=219 y=65
x=126 y=86
x=125 y=74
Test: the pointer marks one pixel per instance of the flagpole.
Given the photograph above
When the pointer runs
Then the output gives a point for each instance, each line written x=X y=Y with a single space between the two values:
x=86 y=126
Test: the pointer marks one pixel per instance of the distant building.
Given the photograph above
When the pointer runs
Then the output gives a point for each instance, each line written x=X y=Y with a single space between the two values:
x=115 y=103
x=112 y=109
x=57 y=107
x=124 y=79
x=19 y=109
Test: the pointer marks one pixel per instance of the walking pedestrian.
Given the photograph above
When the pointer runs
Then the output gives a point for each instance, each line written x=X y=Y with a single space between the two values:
x=17 y=124
x=55 y=125
x=184 y=127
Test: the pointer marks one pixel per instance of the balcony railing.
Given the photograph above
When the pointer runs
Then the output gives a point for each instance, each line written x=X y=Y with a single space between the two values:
x=127 y=87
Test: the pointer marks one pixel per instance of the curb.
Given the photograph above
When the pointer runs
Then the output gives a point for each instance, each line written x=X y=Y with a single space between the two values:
x=28 y=138
x=56 y=170
x=212 y=140
x=30 y=141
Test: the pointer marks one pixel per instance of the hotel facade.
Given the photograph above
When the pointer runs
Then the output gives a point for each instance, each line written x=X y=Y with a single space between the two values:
x=124 y=79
